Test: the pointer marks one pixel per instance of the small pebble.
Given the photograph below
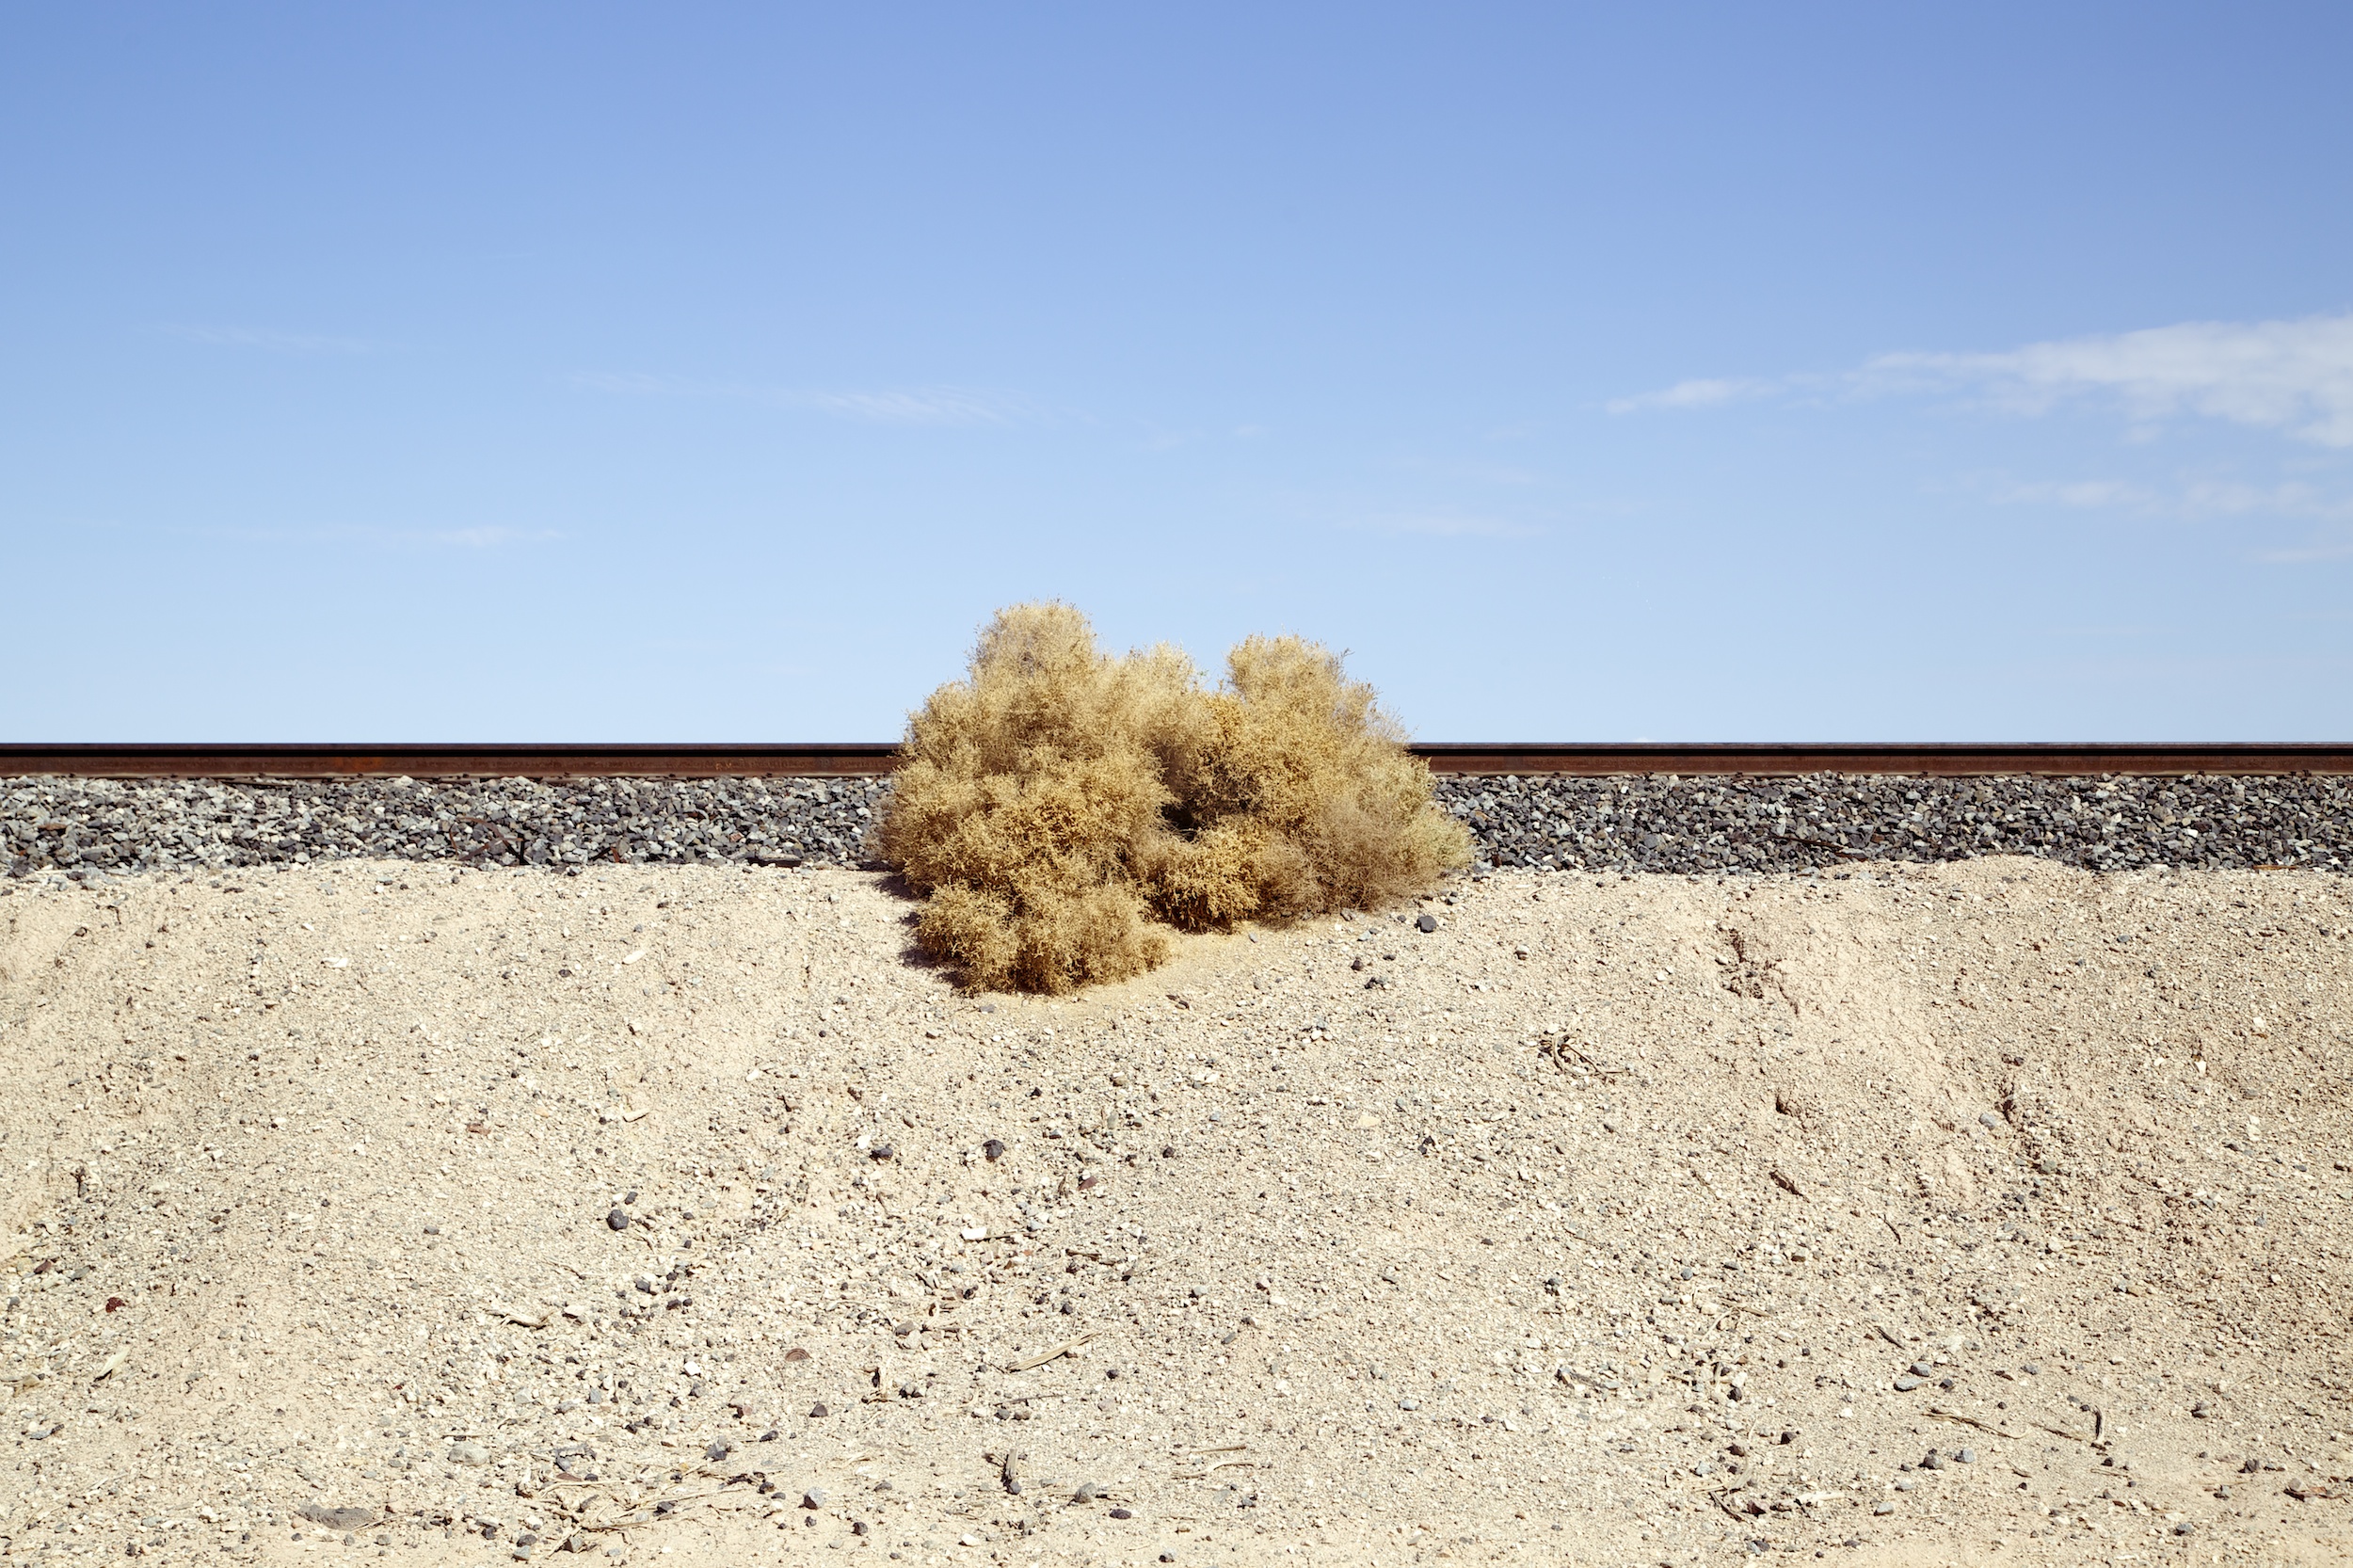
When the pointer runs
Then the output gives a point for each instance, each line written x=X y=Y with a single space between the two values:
x=617 y=1220
x=1426 y=923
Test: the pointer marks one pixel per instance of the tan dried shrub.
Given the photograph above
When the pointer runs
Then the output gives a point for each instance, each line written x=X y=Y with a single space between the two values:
x=1059 y=807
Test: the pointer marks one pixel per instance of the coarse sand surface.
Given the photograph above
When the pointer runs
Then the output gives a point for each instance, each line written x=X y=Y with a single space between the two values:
x=1984 y=1212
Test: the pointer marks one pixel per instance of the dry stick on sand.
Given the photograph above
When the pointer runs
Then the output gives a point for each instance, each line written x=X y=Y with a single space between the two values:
x=2059 y=1432
x=1203 y=1474
x=1044 y=1356
x=661 y=1510
x=1942 y=1415
x=1557 y=1046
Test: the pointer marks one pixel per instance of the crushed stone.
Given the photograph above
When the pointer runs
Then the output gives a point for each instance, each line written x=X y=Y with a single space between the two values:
x=1654 y=822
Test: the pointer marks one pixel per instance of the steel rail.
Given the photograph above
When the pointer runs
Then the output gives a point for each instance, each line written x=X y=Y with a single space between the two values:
x=864 y=759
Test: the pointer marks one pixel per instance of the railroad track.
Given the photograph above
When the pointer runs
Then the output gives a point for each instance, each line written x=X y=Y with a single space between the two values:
x=861 y=759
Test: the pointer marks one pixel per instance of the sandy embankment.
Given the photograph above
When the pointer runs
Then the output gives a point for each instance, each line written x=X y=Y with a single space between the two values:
x=308 y=1177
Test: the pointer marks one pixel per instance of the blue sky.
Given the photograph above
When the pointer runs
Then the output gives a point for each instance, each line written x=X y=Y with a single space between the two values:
x=1669 y=372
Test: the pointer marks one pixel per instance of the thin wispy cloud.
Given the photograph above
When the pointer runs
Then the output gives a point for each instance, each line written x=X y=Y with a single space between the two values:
x=919 y=405
x=2340 y=550
x=475 y=538
x=1696 y=394
x=2293 y=376
x=945 y=406
x=2192 y=499
x=1443 y=526
x=2209 y=500
x=2080 y=492
x=270 y=341
x=471 y=539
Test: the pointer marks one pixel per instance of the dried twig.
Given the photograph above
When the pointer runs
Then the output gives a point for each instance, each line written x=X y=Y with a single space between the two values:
x=1042 y=1358
x=1944 y=1415
x=1559 y=1050
x=1205 y=1472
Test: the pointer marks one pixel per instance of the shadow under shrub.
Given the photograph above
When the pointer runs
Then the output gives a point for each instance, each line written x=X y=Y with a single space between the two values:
x=1059 y=808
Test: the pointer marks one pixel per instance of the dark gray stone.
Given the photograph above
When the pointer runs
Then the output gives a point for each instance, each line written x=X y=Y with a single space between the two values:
x=1657 y=822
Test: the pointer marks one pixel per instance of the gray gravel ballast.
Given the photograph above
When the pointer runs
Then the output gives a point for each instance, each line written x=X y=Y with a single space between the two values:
x=1653 y=823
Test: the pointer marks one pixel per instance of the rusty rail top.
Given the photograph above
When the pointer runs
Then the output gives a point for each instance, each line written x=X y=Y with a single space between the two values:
x=867 y=758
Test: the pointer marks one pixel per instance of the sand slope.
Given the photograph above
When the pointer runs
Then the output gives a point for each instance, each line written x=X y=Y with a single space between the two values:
x=1602 y=1227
